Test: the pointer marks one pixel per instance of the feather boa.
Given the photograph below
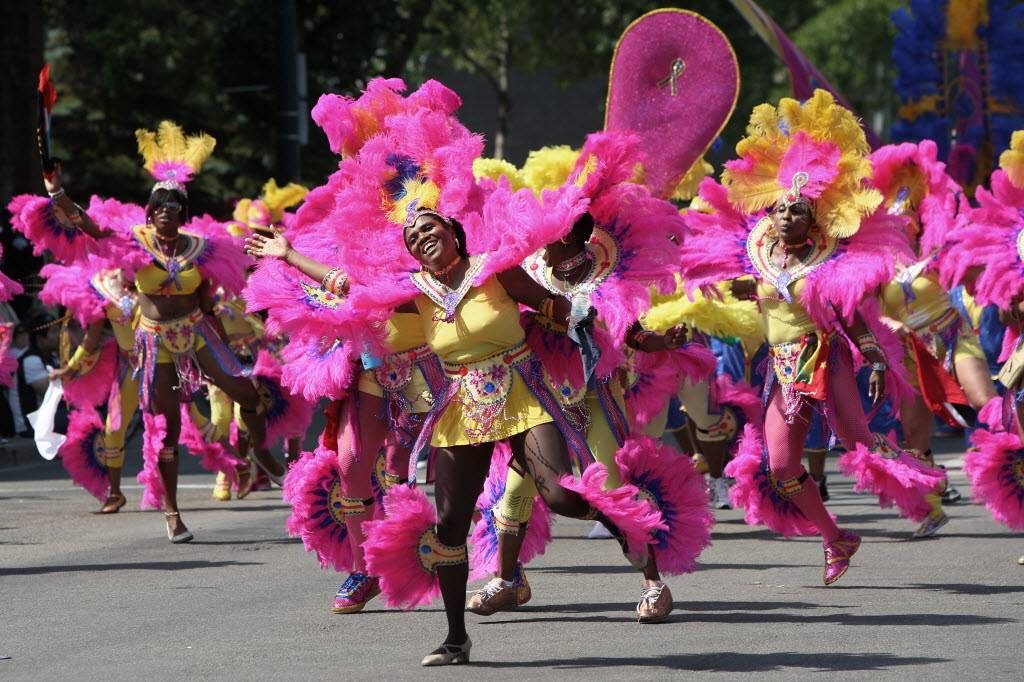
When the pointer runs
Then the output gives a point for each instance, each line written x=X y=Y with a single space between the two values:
x=996 y=471
x=679 y=492
x=312 y=488
x=985 y=240
x=659 y=376
x=483 y=558
x=93 y=388
x=902 y=481
x=755 y=492
x=288 y=415
x=154 y=431
x=393 y=545
x=213 y=456
x=80 y=453
x=637 y=519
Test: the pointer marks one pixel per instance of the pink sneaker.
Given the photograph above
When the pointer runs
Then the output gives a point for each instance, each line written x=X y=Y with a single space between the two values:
x=838 y=554
x=357 y=590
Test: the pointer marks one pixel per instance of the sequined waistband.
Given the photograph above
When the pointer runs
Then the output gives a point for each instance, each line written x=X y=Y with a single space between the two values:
x=509 y=357
x=157 y=326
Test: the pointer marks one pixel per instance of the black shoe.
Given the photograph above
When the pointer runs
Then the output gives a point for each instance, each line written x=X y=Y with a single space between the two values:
x=951 y=495
x=823 y=488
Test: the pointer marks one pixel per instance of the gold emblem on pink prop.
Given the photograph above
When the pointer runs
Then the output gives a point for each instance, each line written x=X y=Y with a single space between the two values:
x=674 y=82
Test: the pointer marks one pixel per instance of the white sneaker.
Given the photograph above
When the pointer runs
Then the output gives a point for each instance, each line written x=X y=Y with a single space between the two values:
x=720 y=491
x=599 y=532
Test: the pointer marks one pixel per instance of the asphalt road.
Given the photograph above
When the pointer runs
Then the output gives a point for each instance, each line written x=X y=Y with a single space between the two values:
x=90 y=597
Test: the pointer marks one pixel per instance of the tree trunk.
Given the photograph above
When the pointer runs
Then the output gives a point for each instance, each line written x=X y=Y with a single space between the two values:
x=504 y=110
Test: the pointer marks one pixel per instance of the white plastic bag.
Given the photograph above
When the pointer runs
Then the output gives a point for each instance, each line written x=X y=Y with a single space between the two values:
x=47 y=442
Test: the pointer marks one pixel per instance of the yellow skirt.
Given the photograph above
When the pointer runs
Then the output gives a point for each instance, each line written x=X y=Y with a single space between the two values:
x=493 y=402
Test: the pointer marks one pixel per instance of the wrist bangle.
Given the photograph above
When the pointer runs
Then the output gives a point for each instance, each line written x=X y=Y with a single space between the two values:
x=879 y=366
x=869 y=346
x=335 y=281
x=865 y=338
x=58 y=193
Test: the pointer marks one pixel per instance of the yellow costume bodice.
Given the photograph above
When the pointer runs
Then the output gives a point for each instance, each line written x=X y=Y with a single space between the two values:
x=783 y=321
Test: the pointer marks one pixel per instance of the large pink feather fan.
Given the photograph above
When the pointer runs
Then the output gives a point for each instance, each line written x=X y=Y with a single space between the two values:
x=659 y=376
x=755 y=492
x=213 y=456
x=119 y=248
x=70 y=286
x=938 y=206
x=995 y=467
x=298 y=307
x=35 y=218
x=154 y=432
x=895 y=476
x=715 y=247
x=647 y=232
x=637 y=519
x=984 y=245
x=8 y=363
x=318 y=367
x=81 y=453
x=92 y=388
x=674 y=485
x=288 y=415
x=483 y=557
x=222 y=261
x=313 y=490
x=607 y=159
x=861 y=265
x=394 y=545
x=349 y=122
x=517 y=224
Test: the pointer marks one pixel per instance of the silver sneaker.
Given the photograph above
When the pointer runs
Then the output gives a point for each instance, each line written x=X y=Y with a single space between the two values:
x=720 y=492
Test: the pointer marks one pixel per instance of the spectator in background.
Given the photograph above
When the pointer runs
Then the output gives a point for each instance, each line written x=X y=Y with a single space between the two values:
x=35 y=345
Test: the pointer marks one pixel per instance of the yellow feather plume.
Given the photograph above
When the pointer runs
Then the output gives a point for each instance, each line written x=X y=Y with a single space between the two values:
x=548 y=167
x=170 y=145
x=728 y=318
x=424 y=192
x=278 y=199
x=1012 y=160
x=687 y=187
x=846 y=200
x=498 y=168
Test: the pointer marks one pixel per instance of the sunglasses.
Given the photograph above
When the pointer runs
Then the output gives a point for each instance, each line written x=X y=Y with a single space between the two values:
x=169 y=206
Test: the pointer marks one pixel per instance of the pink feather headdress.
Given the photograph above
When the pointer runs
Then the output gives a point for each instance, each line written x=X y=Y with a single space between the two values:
x=913 y=181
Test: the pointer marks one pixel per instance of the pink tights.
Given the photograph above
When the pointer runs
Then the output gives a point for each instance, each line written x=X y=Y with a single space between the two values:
x=785 y=441
x=357 y=461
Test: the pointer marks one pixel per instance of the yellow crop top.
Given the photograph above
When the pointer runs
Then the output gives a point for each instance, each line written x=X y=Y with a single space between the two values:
x=486 y=322
x=156 y=279
x=783 y=321
x=404 y=332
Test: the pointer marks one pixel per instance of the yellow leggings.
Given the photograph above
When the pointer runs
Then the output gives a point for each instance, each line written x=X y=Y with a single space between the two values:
x=113 y=439
x=516 y=506
x=222 y=411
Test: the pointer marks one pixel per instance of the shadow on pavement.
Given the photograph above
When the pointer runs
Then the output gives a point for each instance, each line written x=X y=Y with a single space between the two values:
x=951 y=588
x=731 y=661
x=140 y=566
x=683 y=617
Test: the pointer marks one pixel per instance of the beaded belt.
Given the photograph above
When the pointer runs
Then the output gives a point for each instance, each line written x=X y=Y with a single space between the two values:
x=177 y=335
x=395 y=371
